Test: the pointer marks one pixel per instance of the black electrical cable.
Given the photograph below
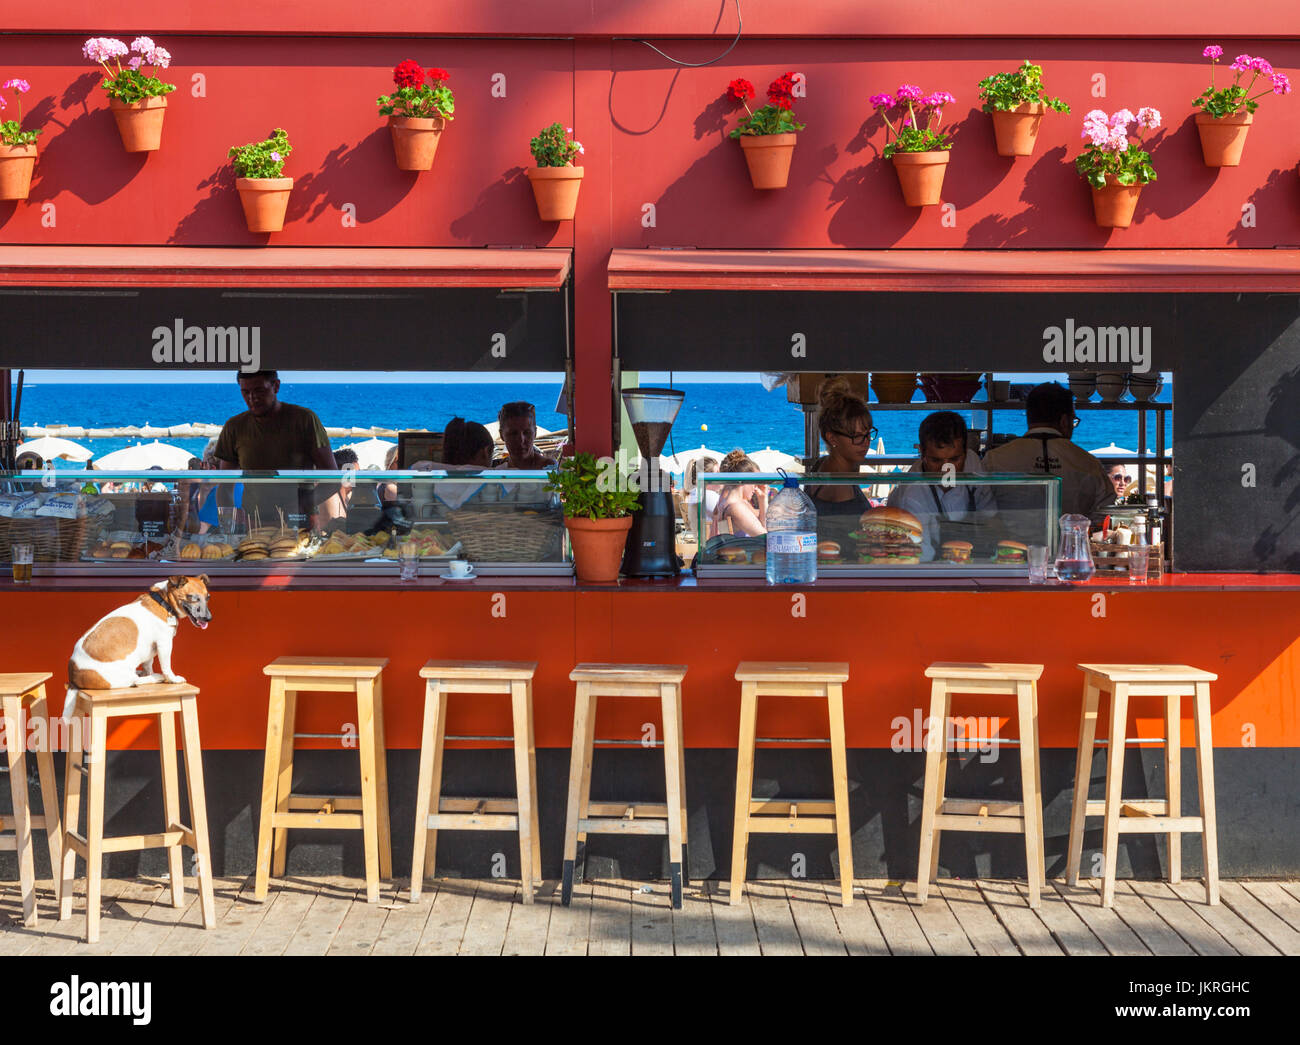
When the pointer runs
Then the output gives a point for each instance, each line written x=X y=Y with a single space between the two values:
x=740 y=25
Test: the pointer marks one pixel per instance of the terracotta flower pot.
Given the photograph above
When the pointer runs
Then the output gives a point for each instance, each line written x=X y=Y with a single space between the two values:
x=415 y=140
x=1114 y=205
x=1223 y=138
x=556 y=192
x=1016 y=130
x=265 y=200
x=16 y=164
x=920 y=174
x=140 y=123
x=598 y=546
x=768 y=156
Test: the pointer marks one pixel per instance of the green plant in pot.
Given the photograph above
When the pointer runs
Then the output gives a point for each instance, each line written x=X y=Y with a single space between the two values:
x=598 y=505
x=1017 y=103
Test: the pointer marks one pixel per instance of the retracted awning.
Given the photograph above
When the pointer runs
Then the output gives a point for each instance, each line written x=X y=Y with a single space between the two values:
x=286 y=308
x=964 y=271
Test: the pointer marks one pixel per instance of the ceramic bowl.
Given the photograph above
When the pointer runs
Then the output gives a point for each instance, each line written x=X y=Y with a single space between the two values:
x=1110 y=386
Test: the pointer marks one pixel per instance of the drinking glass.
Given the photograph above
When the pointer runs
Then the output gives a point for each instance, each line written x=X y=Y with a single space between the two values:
x=1037 y=564
x=1139 y=558
x=21 y=555
x=408 y=554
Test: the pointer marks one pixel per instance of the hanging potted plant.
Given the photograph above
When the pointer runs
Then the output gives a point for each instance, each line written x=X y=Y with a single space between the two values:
x=1016 y=102
x=767 y=136
x=138 y=99
x=1226 y=114
x=919 y=150
x=417 y=113
x=17 y=147
x=263 y=192
x=555 y=179
x=598 y=511
x=1115 y=167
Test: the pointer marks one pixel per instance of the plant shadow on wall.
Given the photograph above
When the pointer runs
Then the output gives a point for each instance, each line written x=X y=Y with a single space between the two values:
x=217 y=215
x=1180 y=155
x=1274 y=197
x=363 y=175
x=1282 y=421
x=503 y=211
x=86 y=157
x=1152 y=202
x=1044 y=183
x=976 y=169
x=870 y=210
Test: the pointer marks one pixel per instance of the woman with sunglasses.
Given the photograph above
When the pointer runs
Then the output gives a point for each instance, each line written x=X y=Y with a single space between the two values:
x=846 y=429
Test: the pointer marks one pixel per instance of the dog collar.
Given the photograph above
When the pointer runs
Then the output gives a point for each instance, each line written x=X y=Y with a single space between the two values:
x=164 y=604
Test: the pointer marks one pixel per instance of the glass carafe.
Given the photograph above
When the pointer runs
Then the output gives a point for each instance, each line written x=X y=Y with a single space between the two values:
x=1074 y=558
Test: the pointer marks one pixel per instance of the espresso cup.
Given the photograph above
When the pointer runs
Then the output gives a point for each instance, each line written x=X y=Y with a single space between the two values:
x=458 y=568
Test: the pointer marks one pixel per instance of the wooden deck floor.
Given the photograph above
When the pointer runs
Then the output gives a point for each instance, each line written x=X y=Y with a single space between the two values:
x=330 y=916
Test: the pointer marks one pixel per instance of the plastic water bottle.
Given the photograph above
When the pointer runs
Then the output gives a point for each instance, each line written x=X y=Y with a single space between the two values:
x=791 y=536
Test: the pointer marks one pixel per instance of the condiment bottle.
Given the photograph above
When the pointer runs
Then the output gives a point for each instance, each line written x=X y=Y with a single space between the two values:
x=1139 y=529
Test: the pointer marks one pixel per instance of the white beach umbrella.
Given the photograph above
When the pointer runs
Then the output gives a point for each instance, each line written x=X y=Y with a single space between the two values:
x=371 y=453
x=143 y=456
x=769 y=460
x=50 y=447
x=1112 y=451
x=682 y=459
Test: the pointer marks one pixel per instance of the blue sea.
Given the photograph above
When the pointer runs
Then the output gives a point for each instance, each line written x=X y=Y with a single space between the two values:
x=722 y=416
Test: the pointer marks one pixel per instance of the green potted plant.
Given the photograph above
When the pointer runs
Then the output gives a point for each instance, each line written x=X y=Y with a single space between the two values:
x=919 y=150
x=555 y=179
x=138 y=99
x=263 y=191
x=598 y=507
x=17 y=147
x=417 y=113
x=1017 y=104
x=1227 y=113
x=1115 y=167
x=767 y=135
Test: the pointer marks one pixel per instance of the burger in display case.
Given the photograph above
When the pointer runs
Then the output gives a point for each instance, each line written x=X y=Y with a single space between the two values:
x=887 y=540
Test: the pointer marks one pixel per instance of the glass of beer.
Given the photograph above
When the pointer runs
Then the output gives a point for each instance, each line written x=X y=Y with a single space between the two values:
x=21 y=554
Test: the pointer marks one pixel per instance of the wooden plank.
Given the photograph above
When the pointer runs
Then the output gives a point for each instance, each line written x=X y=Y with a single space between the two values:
x=1182 y=919
x=406 y=921
x=734 y=923
x=1023 y=924
x=977 y=920
x=1226 y=922
x=149 y=931
x=186 y=936
x=489 y=917
x=233 y=930
x=324 y=917
x=445 y=929
x=1277 y=900
x=652 y=918
x=1260 y=918
x=62 y=937
x=1151 y=929
x=942 y=929
x=1291 y=887
x=286 y=907
x=893 y=913
x=530 y=923
x=1069 y=931
x=120 y=915
x=856 y=923
x=567 y=932
x=15 y=939
x=610 y=930
x=693 y=929
x=818 y=932
x=1106 y=925
x=364 y=923
x=777 y=933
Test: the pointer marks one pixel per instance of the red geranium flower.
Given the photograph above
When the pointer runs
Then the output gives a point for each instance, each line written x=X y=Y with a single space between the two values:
x=408 y=73
x=781 y=103
x=438 y=75
x=740 y=89
x=781 y=89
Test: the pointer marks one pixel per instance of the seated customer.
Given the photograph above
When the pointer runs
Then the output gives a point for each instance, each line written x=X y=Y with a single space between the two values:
x=518 y=425
x=845 y=425
x=710 y=495
x=741 y=508
x=335 y=508
x=467 y=443
x=947 y=513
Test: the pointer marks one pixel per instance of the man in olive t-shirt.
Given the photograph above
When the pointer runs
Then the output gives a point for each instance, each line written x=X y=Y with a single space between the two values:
x=274 y=436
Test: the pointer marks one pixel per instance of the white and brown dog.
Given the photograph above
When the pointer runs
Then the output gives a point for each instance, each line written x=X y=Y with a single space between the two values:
x=119 y=650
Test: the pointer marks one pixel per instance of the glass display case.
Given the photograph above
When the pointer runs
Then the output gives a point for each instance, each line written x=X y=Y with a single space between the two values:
x=502 y=522
x=886 y=523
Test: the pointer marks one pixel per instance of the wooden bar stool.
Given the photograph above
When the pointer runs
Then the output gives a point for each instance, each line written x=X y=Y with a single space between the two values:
x=816 y=816
x=940 y=814
x=97 y=706
x=584 y=816
x=1120 y=682
x=281 y=809
x=433 y=812
x=16 y=691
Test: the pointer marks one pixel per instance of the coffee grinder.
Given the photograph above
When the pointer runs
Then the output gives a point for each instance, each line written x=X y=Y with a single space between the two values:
x=651 y=543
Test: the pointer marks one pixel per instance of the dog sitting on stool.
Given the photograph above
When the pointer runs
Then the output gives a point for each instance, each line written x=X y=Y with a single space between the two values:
x=119 y=650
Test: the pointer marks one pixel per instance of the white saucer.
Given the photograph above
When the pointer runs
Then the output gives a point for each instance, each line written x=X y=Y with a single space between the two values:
x=467 y=577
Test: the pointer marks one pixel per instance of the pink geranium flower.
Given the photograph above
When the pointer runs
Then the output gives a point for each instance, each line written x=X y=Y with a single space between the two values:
x=1281 y=83
x=1214 y=52
x=882 y=101
x=908 y=92
x=21 y=86
x=1148 y=118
